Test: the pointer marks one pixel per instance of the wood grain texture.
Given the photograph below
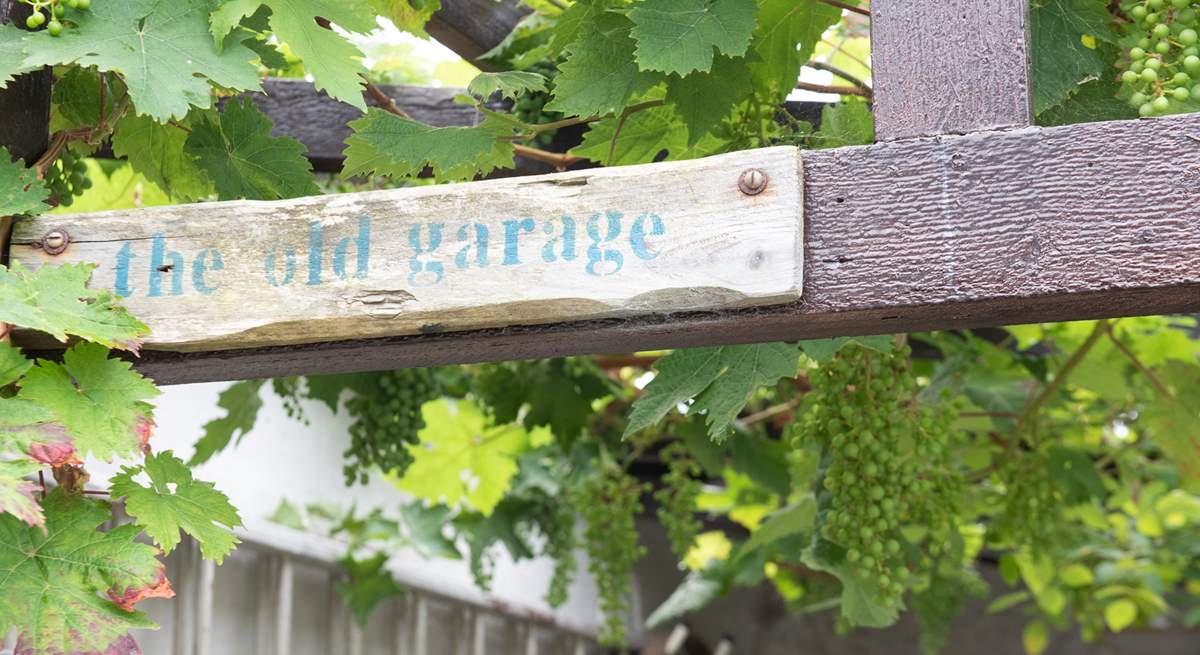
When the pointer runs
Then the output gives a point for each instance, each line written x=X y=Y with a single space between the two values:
x=992 y=229
x=472 y=27
x=24 y=102
x=949 y=66
x=614 y=242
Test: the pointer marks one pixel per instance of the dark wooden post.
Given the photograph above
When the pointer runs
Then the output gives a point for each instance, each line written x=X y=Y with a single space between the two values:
x=472 y=27
x=949 y=66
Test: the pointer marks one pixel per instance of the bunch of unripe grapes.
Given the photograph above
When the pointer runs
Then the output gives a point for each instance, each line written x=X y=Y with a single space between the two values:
x=885 y=466
x=387 y=417
x=610 y=501
x=1031 y=502
x=1164 y=60
x=677 y=498
x=67 y=177
x=557 y=522
x=530 y=107
x=55 y=10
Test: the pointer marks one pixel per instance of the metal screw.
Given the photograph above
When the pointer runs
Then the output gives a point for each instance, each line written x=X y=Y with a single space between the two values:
x=55 y=241
x=753 y=181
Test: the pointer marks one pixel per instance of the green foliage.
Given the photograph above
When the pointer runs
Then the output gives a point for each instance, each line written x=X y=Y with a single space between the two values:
x=368 y=585
x=600 y=75
x=175 y=501
x=785 y=38
x=1062 y=60
x=156 y=151
x=509 y=84
x=52 y=579
x=163 y=51
x=20 y=192
x=680 y=36
x=242 y=158
x=56 y=300
x=847 y=123
x=389 y=145
x=718 y=381
x=241 y=403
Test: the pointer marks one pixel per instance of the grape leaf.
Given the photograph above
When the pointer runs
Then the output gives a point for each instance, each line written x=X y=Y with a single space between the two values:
x=423 y=529
x=52 y=580
x=1093 y=102
x=679 y=36
x=13 y=364
x=704 y=99
x=576 y=19
x=16 y=493
x=698 y=589
x=599 y=75
x=28 y=428
x=20 y=191
x=462 y=457
x=650 y=135
x=333 y=62
x=509 y=84
x=244 y=160
x=389 y=145
x=720 y=380
x=409 y=15
x=163 y=50
x=795 y=518
x=369 y=584
x=241 y=403
x=788 y=31
x=558 y=392
x=860 y=606
x=156 y=151
x=56 y=300
x=1061 y=60
x=101 y=401
x=823 y=350
x=847 y=123
x=176 y=501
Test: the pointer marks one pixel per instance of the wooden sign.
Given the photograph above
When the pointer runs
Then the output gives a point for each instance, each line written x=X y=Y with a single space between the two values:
x=721 y=232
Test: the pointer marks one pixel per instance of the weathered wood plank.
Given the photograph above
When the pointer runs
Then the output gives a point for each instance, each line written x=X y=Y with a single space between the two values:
x=949 y=66
x=990 y=229
x=615 y=242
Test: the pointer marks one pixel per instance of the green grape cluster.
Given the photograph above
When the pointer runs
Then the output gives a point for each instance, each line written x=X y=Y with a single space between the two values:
x=56 y=10
x=387 y=417
x=1164 y=56
x=67 y=177
x=558 y=525
x=610 y=502
x=288 y=391
x=1032 y=500
x=886 y=466
x=677 y=498
x=530 y=107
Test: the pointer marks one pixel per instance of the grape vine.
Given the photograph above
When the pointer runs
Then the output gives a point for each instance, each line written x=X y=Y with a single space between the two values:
x=387 y=417
x=1164 y=57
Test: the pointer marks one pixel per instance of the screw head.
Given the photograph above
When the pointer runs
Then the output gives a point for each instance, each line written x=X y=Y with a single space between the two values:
x=55 y=241
x=752 y=181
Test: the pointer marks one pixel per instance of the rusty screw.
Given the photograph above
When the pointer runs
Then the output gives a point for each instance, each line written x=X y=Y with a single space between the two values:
x=55 y=241
x=753 y=181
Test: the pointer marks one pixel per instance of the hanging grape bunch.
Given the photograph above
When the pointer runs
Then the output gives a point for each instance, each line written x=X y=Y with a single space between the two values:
x=885 y=466
x=387 y=417
x=530 y=107
x=677 y=498
x=53 y=14
x=1164 y=57
x=67 y=178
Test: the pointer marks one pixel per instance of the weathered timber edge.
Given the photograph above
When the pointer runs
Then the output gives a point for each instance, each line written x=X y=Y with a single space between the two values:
x=950 y=232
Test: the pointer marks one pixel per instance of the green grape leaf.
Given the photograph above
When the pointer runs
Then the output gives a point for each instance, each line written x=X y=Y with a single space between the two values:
x=719 y=379
x=241 y=403
x=786 y=36
x=20 y=191
x=101 y=401
x=162 y=49
x=17 y=494
x=576 y=19
x=1061 y=60
x=389 y=145
x=1120 y=614
x=499 y=526
x=698 y=589
x=28 y=428
x=423 y=529
x=157 y=152
x=76 y=99
x=859 y=606
x=823 y=350
x=679 y=36
x=793 y=519
x=463 y=458
x=409 y=15
x=703 y=100
x=1173 y=421
x=175 y=501
x=599 y=75
x=334 y=63
x=1093 y=102
x=509 y=84
x=13 y=364
x=288 y=515
x=52 y=579
x=559 y=394
x=1075 y=475
x=244 y=160
x=644 y=137
x=369 y=584
x=765 y=461
x=56 y=300
x=847 y=123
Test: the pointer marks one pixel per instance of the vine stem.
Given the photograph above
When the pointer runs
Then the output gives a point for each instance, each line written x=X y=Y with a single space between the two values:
x=838 y=89
x=1060 y=379
x=1137 y=362
x=848 y=7
x=856 y=81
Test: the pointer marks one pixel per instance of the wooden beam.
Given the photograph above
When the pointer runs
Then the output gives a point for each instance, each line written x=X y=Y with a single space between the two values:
x=472 y=27
x=949 y=66
x=712 y=233
x=995 y=228
x=24 y=102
